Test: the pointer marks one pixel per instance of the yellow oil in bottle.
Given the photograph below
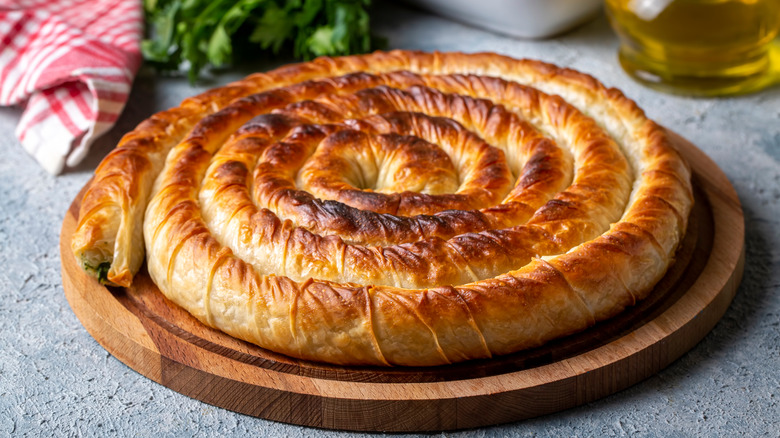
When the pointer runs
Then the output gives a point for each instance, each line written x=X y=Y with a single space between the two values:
x=699 y=47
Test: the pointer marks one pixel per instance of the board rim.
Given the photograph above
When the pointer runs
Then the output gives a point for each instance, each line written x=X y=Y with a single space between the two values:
x=497 y=398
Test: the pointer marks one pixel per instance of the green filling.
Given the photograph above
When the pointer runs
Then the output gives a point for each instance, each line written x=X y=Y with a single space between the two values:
x=101 y=271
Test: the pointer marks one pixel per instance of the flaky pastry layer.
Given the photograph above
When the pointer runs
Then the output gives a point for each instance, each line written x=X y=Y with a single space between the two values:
x=397 y=208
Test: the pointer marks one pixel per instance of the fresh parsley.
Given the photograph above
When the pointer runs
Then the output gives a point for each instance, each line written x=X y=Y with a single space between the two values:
x=196 y=33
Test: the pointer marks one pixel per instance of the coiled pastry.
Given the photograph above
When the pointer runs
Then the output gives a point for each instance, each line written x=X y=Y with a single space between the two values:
x=397 y=208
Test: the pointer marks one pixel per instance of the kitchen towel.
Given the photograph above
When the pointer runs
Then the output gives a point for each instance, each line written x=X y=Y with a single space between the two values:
x=71 y=64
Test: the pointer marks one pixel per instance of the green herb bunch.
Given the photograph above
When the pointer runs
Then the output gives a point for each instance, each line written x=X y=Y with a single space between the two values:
x=202 y=32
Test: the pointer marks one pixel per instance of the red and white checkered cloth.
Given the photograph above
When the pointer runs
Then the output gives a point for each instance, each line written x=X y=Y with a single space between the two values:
x=71 y=63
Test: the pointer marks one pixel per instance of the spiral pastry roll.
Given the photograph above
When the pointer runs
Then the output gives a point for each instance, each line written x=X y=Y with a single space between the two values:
x=397 y=208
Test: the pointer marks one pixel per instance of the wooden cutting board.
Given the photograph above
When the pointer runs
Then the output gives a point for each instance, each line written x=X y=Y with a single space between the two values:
x=158 y=339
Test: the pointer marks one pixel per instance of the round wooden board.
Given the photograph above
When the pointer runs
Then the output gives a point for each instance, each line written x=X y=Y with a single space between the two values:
x=161 y=341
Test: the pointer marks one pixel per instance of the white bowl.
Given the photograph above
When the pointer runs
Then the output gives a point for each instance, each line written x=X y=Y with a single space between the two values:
x=519 y=18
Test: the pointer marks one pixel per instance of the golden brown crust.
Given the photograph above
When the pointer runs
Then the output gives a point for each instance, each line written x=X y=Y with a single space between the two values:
x=397 y=208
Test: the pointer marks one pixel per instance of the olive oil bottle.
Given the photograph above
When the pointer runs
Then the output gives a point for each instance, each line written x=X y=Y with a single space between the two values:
x=698 y=47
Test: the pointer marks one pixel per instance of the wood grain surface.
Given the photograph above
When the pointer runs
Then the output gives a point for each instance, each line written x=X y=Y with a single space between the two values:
x=158 y=339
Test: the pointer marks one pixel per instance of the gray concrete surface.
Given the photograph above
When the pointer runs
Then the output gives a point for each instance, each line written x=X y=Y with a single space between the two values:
x=55 y=380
